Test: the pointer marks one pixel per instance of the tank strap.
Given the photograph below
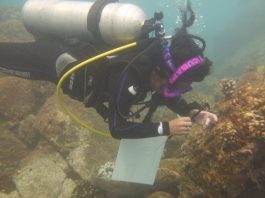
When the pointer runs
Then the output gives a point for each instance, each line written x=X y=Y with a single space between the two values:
x=93 y=19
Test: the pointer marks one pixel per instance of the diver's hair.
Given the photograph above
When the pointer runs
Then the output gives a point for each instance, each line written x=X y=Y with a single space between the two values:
x=183 y=47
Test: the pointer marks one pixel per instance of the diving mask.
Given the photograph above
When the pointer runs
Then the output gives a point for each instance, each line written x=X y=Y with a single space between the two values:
x=170 y=88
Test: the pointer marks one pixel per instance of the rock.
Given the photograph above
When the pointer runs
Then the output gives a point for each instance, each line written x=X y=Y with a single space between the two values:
x=20 y=100
x=116 y=189
x=23 y=100
x=3 y=195
x=78 y=160
x=160 y=195
x=101 y=179
x=165 y=175
x=186 y=187
x=167 y=181
x=172 y=164
x=27 y=133
x=85 y=158
x=85 y=189
x=14 y=194
x=12 y=151
x=46 y=151
x=67 y=189
x=41 y=178
x=173 y=147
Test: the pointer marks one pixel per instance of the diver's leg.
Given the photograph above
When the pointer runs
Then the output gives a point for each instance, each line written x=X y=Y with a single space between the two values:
x=34 y=60
x=42 y=61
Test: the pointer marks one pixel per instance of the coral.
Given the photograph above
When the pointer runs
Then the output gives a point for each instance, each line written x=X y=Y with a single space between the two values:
x=228 y=87
x=228 y=159
x=105 y=171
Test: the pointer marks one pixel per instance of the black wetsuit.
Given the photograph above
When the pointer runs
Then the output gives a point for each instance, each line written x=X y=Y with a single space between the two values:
x=37 y=61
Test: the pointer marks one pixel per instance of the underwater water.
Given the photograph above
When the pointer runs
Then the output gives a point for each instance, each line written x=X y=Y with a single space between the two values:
x=42 y=149
x=13 y=3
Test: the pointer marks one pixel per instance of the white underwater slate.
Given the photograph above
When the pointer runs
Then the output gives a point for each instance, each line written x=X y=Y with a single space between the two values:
x=138 y=160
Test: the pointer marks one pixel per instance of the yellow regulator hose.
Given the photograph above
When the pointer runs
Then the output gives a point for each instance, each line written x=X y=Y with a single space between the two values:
x=74 y=69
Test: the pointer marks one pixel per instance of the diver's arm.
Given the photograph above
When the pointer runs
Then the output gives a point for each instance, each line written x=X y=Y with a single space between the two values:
x=122 y=128
x=193 y=111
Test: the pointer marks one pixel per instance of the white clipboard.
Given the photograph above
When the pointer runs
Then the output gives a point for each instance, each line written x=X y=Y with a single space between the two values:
x=138 y=160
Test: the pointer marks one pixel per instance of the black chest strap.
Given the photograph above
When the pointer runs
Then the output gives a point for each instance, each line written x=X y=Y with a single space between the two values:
x=156 y=101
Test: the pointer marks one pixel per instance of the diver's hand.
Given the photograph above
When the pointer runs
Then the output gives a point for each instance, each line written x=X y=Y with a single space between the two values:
x=180 y=126
x=205 y=118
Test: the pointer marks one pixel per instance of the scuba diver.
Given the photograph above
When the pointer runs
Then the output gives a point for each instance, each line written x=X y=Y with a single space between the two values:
x=159 y=68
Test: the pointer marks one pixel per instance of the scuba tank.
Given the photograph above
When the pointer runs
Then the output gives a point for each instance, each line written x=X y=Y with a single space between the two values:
x=104 y=21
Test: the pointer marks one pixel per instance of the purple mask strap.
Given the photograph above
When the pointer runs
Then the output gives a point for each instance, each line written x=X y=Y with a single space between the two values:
x=168 y=59
x=186 y=66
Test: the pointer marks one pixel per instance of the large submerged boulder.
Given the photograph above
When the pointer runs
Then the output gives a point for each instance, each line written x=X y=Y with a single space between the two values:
x=41 y=178
x=32 y=122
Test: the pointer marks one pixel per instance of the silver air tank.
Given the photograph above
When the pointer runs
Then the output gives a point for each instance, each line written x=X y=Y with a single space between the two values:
x=119 y=22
